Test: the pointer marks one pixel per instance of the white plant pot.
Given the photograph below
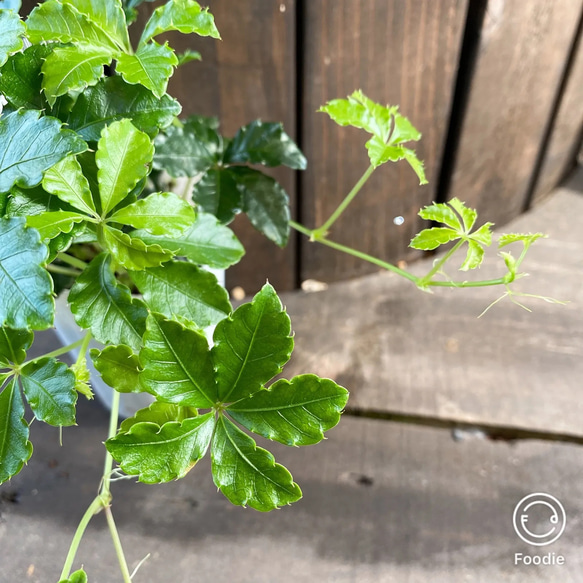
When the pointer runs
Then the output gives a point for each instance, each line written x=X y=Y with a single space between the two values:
x=68 y=332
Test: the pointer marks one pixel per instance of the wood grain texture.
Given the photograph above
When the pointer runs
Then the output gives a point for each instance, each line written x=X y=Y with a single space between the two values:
x=250 y=74
x=397 y=52
x=383 y=503
x=522 y=55
x=400 y=350
x=565 y=138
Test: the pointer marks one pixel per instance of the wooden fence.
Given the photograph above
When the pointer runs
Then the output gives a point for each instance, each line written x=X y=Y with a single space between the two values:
x=495 y=86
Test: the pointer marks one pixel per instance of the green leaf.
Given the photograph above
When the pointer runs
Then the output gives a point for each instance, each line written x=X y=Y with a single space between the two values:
x=181 y=289
x=82 y=377
x=251 y=346
x=161 y=213
x=416 y=164
x=217 y=194
x=185 y=16
x=131 y=252
x=483 y=235
x=403 y=130
x=26 y=288
x=161 y=454
x=246 y=474
x=112 y=99
x=432 y=238
x=526 y=238
x=56 y=21
x=510 y=262
x=76 y=577
x=11 y=31
x=474 y=257
x=441 y=213
x=468 y=215
x=267 y=144
x=177 y=365
x=187 y=56
x=10 y=5
x=15 y=449
x=188 y=150
x=21 y=78
x=265 y=202
x=295 y=412
x=206 y=242
x=14 y=344
x=49 y=386
x=109 y=16
x=49 y=225
x=73 y=68
x=123 y=155
x=29 y=146
x=151 y=66
x=66 y=180
x=99 y=302
x=33 y=201
x=159 y=414
x=119 y=367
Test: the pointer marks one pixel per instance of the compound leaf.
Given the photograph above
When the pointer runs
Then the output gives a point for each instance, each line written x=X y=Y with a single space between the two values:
x=66 y=180
x=468 y=215
x=217 y=193
x=113 y=99
x=161 y=213
x=181 y=289
x=432 y=238
x=151 y=66
x=26 y=289
x=29 y=146
x=119 y=367
x=21 y=78
x=246 y=474
x=49 y=386
x=177 y=365
x=206 y=242
x=131 y=252
x=251 y=346
x=267 y=144
x=99 y=302
x=11 y=31
x=185 y=16
x=15 y=449
x=122 y=158
x=526 y=238
x=14 y=344
x=162 y=453
x=295 y=412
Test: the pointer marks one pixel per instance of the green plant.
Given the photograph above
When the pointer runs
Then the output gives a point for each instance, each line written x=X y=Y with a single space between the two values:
x=84 y=157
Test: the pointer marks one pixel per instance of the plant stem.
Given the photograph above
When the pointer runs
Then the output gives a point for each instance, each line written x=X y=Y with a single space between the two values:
x=60 y=351
x=321 y=231
x=78 y=263
x=94 y=508
x=108 y=466
x=117 y=544
x=427 y=279
x=483 y=283
x=84 y=346
x=63 y=270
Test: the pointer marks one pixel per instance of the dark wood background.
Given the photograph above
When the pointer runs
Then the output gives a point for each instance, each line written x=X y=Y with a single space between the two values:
x=495 y=86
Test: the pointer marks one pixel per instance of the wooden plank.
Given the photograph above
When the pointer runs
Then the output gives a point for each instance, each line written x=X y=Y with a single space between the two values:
x=397 y=52
x=250 y=74
x=523 y=50
x=382 y=503
x=561 y=151
x=402 y=351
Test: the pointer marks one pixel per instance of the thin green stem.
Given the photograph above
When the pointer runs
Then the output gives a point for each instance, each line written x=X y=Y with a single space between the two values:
x=94 y=508
x=321 y=231
x=438 y=264
x=63 y=270
x=483 y=283
x=59 y=351
x=78 y=263
x=108 y=465
x=84 y=346
x=123 y=565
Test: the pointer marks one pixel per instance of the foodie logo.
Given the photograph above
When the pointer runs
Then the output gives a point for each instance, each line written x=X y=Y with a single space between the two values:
x=539 y=519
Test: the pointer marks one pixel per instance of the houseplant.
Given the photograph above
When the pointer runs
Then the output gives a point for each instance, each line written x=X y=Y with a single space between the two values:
x=82 y=209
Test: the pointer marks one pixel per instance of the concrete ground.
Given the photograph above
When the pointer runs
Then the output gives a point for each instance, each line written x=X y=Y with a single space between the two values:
x=452 y=421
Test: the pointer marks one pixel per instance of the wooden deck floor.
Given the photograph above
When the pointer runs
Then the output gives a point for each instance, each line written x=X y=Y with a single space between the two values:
x=383 y=501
